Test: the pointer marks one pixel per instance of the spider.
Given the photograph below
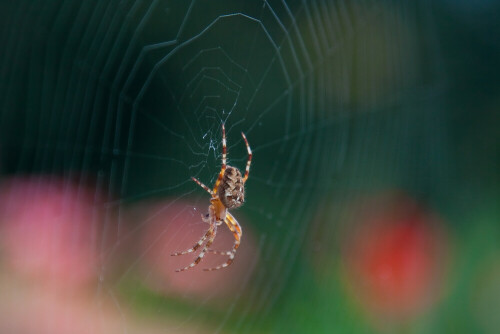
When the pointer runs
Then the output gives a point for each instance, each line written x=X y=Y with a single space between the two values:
x=228 y=193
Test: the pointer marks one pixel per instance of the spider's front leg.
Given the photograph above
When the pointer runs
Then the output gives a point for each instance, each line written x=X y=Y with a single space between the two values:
x=235 y=227
x=196 y=246
x=206 y=218
x=212 y=231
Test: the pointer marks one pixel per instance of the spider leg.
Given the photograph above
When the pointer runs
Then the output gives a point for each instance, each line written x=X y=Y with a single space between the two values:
x=217 y=252
x=249 y=150
x=212 y=231
x=223 y=168
x=202 y=185
x=233 y=225
x=196 y=246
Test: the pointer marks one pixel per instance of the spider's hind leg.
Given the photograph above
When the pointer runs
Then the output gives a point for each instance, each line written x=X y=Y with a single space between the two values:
x=249 y=161
x=223 y=167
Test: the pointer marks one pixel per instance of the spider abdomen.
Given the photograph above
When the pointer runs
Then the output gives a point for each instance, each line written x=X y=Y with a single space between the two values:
x=232 y=189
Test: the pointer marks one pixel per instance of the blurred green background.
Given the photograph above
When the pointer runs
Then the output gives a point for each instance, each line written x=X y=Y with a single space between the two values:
x=372 y=203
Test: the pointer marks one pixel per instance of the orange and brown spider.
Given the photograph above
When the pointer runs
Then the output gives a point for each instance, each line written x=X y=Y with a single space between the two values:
x=228 y=193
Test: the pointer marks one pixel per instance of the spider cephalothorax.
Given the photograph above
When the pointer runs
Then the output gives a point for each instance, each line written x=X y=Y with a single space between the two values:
x=232 y=188
x=228 y=193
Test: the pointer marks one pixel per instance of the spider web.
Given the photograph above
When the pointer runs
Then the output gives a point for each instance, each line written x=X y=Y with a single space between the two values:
x=130 y=96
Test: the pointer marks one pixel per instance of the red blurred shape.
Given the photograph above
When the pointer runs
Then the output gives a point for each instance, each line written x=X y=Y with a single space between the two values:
x=394 y=256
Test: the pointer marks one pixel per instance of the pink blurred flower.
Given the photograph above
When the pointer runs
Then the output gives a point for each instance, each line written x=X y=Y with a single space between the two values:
x=47 y=230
